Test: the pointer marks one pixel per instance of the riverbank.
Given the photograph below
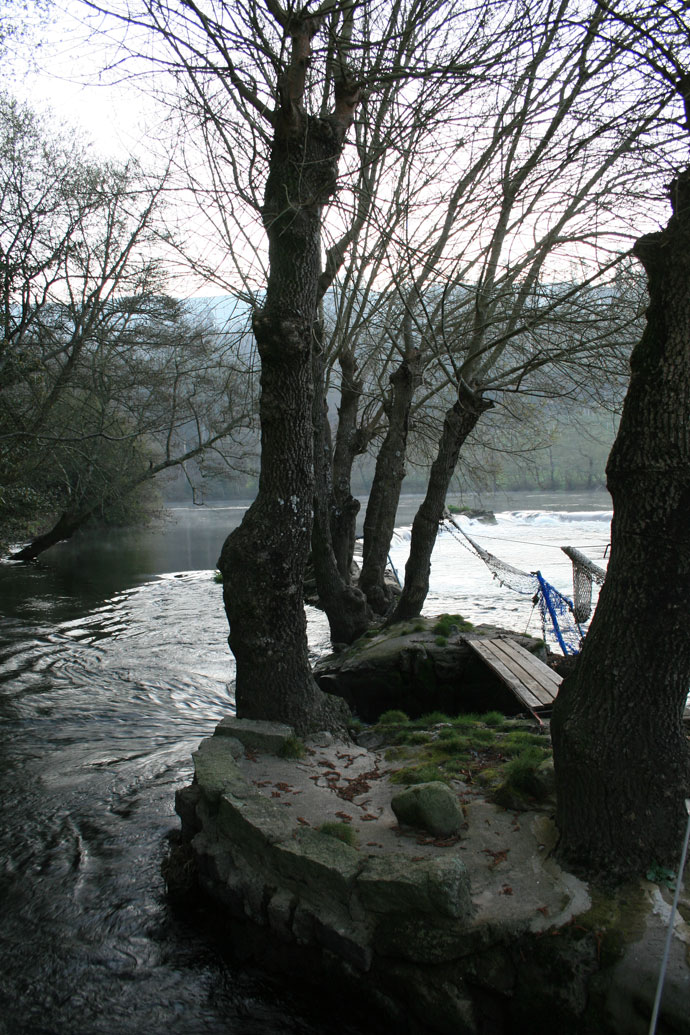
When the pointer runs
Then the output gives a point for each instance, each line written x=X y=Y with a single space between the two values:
x=473 y=931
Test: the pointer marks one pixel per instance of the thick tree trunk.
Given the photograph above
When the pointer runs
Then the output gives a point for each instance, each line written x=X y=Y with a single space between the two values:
x=379 y=521
x=621 y=755
x=63 y=529
x=459 y=422
x=263 y=561
x=345 y=606
x=348 y=445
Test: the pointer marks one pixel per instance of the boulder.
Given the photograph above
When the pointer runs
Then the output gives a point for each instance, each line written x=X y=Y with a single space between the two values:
x=413 y=667
x=430 y=806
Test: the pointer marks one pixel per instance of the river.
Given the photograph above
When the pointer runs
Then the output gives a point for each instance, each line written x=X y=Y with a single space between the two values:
x=113 y=666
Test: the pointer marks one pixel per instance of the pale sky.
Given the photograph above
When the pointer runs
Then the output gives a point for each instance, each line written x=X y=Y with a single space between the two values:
x=64 y=75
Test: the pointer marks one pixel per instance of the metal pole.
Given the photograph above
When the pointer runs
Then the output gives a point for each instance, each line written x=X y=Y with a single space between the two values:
x=669 y=934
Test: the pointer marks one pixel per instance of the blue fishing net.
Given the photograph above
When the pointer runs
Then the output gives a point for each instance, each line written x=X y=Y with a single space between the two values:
x=557 y=611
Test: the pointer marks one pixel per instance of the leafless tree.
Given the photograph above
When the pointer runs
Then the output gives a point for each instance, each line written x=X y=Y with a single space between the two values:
x=106 y=382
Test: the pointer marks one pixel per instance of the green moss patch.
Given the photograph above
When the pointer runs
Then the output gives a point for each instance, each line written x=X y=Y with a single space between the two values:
x=341 y=831
x=506 y=758
x=447 y=624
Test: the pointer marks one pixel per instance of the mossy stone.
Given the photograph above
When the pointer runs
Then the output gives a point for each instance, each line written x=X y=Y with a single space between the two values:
x=216 y=768
x=431 y=806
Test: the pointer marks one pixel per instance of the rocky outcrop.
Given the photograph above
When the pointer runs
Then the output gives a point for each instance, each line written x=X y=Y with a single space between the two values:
x=420 y=667
x=475 y=933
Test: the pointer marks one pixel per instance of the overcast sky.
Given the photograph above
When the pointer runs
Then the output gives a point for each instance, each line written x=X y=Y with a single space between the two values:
x=64 y=73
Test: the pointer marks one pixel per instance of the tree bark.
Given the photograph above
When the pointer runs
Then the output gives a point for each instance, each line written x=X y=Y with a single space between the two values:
x=64 y=528
x=344 y=604
x=379 y=521
x=620 y=751
x=263 y=561
x=459 y=422
x=348 y=445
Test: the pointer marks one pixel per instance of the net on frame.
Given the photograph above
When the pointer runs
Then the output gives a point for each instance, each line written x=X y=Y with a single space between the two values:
x=558 y=613
x=585 y=572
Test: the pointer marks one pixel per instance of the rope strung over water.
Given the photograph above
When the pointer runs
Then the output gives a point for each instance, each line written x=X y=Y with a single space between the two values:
x=557 y=612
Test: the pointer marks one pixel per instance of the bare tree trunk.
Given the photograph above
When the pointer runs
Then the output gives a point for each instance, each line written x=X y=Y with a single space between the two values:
x=348 y=445
x=63 y=529
x=384 y=497
x=459 y=422
x=263 y=561
x=621 y=755
x=344 y=604
x=70 y=522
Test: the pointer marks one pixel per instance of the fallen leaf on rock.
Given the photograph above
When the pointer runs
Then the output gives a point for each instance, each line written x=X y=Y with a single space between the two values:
x=282 y=786
x=303 y=821
x=506 y=890
x=275 y=794
x=544 y=910
x=439 y=842
x=344 y=816
x=359 y=785
x=496 y=857
x=367 y=817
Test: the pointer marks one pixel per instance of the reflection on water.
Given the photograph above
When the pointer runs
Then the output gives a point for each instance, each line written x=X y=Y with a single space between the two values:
x=101 y=706
x=113 y=666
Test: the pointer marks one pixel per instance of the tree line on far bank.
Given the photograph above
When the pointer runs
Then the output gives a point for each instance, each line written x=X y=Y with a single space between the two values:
x=565 y=450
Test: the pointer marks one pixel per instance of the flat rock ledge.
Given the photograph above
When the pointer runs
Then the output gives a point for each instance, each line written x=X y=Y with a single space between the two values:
x=477 y=933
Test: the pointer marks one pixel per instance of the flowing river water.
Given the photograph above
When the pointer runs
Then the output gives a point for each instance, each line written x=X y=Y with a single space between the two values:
x=113 y=666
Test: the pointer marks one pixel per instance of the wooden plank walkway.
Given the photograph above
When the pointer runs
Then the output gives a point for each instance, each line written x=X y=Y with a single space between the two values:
x=534 y=684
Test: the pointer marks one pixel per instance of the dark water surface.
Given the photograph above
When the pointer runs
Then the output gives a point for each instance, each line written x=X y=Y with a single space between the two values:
x=111 y=671
x=113 y=666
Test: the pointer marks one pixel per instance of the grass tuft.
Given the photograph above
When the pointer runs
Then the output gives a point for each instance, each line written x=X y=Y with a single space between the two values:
x=431 y=719
x=393 y=717
x=341 y=831
x=292 y=748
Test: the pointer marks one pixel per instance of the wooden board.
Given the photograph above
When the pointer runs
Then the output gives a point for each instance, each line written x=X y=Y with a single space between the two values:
x=533 y=683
